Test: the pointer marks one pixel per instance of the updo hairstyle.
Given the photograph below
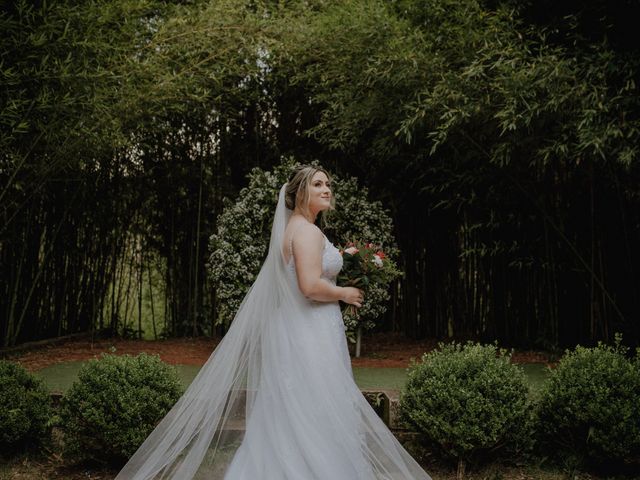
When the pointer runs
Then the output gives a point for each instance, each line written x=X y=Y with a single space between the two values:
x=297 y=191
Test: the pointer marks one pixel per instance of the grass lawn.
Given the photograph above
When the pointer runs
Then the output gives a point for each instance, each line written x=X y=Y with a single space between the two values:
x=60 y=376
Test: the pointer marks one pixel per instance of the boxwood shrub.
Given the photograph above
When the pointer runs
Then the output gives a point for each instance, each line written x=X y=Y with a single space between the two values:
x=589 y=410
x=25 y=408
x=468 y=400
x=114 y=405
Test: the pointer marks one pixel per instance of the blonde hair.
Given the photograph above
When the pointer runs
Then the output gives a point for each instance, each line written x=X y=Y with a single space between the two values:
x=297 y=191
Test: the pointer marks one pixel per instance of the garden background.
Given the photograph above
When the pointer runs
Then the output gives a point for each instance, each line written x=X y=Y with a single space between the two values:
x=501 y=136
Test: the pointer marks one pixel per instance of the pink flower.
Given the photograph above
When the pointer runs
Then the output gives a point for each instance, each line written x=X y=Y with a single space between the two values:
x=351 y=250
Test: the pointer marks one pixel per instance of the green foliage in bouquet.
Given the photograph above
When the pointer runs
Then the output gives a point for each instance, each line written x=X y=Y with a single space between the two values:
x=365 y=266
x=239 y=247
x=469 y=401
x=115 y=404
x=25 y=408
x=589 y=408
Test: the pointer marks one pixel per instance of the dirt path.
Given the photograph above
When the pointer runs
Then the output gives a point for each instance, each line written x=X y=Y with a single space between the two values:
x=378 y=350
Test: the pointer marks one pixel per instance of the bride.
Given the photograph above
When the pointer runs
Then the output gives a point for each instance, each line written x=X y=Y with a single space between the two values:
x=276 y=399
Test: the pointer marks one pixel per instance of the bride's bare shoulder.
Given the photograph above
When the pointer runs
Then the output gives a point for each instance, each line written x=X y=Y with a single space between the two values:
x=305 y=233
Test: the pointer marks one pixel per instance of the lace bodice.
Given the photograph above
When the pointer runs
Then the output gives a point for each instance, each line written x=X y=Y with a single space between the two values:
x=328 y=312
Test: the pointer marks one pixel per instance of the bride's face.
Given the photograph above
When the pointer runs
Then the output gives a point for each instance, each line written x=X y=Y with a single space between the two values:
x=319 y=192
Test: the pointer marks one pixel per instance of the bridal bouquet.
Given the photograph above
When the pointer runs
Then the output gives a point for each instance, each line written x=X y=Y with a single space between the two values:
x=364 y=265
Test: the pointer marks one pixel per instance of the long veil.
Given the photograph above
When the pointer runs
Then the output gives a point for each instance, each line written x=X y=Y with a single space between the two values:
x=282 y=364
x=207 y=424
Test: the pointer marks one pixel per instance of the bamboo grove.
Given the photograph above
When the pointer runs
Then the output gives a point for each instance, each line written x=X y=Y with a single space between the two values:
x=503 y=137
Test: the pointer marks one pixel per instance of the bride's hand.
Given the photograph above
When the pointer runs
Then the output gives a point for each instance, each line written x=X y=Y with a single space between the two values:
x=352 y=296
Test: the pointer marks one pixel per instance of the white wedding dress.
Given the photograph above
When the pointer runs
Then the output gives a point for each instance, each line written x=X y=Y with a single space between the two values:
x=277 y=399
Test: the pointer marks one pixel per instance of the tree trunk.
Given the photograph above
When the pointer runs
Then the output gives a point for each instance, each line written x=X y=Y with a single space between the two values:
x=358 y=340
x=461 y=468
x=153 y=312
x=196 y=279
x=140 y=281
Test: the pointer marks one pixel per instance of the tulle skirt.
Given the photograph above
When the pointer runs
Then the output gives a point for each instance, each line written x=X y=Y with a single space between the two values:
x=309 y=419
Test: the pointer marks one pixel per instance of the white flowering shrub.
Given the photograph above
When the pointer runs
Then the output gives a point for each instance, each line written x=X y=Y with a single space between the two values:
x=358 y=218
x=239 y=247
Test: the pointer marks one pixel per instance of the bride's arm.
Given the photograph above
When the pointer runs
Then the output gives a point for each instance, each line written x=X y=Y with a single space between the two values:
x=308 y=244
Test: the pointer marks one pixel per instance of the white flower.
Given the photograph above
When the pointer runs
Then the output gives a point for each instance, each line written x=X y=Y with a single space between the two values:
x=377 y=260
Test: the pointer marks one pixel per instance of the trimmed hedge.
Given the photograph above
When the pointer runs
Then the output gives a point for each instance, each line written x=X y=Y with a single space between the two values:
x=589 y=408
x=25 y=408
x=115 y=404
x=468 y=400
